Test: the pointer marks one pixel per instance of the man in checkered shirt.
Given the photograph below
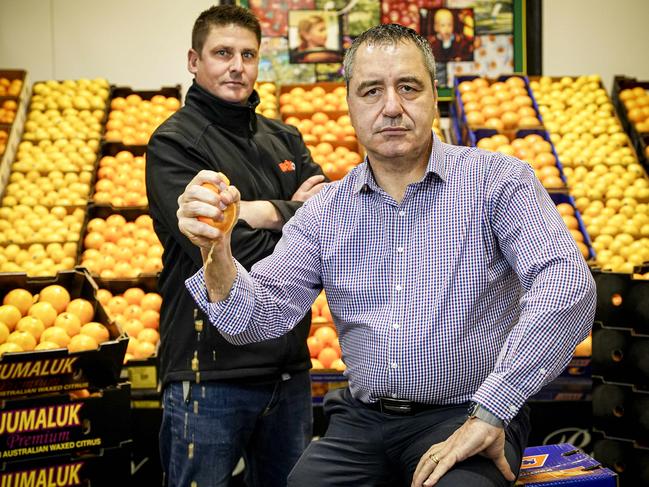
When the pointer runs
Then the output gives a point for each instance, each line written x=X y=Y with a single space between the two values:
x=456 y=289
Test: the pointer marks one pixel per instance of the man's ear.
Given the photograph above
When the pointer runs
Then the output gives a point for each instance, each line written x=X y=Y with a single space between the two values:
x=192 y=61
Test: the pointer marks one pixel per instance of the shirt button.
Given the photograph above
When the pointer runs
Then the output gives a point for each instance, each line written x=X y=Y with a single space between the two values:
x=400 y=250
x=398 y=287
x=396 y=326
x=402 y=213
x=542 y=371
x=394 y=395
x=512 y=408
x=394 y=365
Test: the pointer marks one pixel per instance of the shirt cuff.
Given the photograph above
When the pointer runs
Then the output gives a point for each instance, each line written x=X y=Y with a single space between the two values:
x=231 y=315
x=499 y=397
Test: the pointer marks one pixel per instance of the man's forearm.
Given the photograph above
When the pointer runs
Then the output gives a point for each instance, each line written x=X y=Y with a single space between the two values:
x=220 y=271
x=261 y=214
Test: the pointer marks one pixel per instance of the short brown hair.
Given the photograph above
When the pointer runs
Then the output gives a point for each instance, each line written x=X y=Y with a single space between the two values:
x=222 y=15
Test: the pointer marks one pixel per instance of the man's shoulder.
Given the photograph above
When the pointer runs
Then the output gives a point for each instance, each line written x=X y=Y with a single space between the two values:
x=185 y=125
x=465 y=161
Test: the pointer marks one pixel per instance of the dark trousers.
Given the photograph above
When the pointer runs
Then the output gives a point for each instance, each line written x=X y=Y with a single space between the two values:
x=365 y=447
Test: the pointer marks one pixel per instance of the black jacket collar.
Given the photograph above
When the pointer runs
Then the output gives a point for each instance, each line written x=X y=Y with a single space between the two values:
x=230 y=115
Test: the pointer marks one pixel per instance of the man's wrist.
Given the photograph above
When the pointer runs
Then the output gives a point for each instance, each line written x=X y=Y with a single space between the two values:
x=478 y=411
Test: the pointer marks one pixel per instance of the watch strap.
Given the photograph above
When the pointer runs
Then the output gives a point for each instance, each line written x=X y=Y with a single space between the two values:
x=477 y=410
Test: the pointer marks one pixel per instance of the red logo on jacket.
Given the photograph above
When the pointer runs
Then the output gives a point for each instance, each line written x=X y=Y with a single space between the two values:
x=287 y=166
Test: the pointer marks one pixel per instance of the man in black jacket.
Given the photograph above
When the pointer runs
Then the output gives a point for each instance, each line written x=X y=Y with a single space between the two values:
x=222 y=402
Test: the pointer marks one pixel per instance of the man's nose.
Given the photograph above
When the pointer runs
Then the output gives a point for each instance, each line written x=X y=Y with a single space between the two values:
x=237 y=63
x=392 y=103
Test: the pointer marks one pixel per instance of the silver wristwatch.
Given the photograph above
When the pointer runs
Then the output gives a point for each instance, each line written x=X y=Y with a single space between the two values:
x=478 y=411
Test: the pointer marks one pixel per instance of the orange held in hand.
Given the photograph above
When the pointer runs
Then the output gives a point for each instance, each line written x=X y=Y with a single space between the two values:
x=229 y=215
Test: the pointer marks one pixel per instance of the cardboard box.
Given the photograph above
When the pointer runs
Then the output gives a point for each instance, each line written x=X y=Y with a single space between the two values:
x=49 y=371
x=563 y=465
x=324 y=380
x=109 y=468
x=56 y=424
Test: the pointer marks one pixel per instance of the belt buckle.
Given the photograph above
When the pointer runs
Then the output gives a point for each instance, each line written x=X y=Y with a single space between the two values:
x=395 y=406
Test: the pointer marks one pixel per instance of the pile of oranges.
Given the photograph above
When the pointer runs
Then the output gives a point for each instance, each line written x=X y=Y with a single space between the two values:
x=138 y=314
x=115 y=248
x=335 y=163
x=132 y=120
x=8 y=111
x=636 y=102
x=65 y=155
x=10 y=87
x=120 y=180
x=534 y=150
x=320 y=128
x=305 y=99
x=33 y=224
x=267 y=99
x=323 y=343
x=567 y=212
x=48 y=320
x=54 y=189
x=38 y=259
x=499 y=105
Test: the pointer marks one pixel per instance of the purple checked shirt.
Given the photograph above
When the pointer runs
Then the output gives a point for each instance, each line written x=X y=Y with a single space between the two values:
x=471 y=288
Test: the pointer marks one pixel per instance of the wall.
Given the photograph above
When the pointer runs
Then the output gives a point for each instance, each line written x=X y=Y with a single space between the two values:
x=596 y=37
x=143 y=43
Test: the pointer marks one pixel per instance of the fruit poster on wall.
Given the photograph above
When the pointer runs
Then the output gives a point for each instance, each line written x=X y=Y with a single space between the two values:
x=305 y=40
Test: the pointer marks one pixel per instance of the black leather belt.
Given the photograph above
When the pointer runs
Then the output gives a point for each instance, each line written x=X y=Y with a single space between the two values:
x=401 y=407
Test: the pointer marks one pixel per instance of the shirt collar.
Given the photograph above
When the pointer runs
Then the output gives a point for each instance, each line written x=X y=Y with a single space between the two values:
x=436 y=165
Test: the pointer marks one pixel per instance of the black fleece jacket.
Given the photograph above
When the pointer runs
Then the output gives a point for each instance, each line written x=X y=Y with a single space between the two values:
x=266 y=160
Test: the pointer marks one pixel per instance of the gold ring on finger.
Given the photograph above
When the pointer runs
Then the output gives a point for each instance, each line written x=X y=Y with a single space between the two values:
x=433 y=457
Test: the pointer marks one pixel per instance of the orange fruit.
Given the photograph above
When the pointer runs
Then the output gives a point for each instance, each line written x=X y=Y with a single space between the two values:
x=69 y=322
x=44 y=311
x=103 y=296
x=132 y=345
x=132 y=311
x=95 y=330
x=31 y=325
x=335 y=344
x=326 y=313
x=9 y=347
x=338 y=365
x=327 y=356
x=47 y=346
x=315 y=346
x=133 y=327
x=79 y=343
x=23 y=339
x=316 y=364
x=149 y=335
x=57 y=295
x=9 y=315
x=144 y=350
x=150 y=319
x=229 y=215
x=20 y=298
x=326 y=335
x=4 y=332
x=133 y=295
x=82 y=308
x=151 y=301
x=116 y=305
x=56 y=335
